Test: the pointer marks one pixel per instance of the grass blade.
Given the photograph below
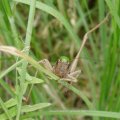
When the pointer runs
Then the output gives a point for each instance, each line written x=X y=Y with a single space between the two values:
x=5 y=109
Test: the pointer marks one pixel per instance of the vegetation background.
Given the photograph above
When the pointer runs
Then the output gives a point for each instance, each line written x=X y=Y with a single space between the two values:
x=53 y=28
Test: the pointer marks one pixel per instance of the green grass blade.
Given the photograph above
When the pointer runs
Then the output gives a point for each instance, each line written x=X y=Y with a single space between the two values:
x=3 y=74
x=10 y=69
x=25 y=109
x=10 y=103
x=7 y=87
x=56 y=14
x=26 y=48
x=5 y=109
x=30 y=108
x=75 y=113
x=113 y=11
x=78 y=92
x=7 y=8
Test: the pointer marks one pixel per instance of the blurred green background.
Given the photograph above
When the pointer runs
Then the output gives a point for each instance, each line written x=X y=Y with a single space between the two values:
x=58 y=29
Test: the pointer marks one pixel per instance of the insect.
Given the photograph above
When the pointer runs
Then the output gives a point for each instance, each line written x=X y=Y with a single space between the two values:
x=63 y=68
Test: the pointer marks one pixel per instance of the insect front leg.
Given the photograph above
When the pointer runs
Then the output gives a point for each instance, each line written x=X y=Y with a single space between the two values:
x=70 y=79
x=46 y=64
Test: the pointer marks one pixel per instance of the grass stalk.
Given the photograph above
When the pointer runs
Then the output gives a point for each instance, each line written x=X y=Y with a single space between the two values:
x=26 y=49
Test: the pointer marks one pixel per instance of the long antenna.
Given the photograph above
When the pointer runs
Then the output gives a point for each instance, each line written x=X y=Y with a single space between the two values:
x=74 y=63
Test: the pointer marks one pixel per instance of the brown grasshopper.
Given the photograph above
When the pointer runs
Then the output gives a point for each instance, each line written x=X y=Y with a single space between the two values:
x=63 y=68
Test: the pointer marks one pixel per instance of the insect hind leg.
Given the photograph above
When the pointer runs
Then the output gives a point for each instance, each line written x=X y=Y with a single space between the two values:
x=75 y=73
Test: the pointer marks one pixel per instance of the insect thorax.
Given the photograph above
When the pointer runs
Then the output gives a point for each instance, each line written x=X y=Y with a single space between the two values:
x=61 y=69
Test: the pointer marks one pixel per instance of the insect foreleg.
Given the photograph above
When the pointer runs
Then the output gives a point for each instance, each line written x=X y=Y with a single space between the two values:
x=46 y=64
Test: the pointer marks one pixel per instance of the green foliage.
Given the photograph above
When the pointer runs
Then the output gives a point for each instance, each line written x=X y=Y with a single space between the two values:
x=52 y=29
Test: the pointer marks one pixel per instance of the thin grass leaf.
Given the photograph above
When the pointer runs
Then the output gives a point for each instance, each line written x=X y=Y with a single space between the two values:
x=78 y=92
x=30 y=108
x=5 y=109
x=10 y=103
x=7 y=87
x=113 y=11
x=75 y=113
x=7 y=8
x=10 y=69
x=23 y=86
x=31 y=79
x=3 y=74
x=34 y=63
x=58 y=15
x=25 y=109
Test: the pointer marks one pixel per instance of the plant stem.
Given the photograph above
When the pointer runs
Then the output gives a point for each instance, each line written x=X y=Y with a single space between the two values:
x=26 y=48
